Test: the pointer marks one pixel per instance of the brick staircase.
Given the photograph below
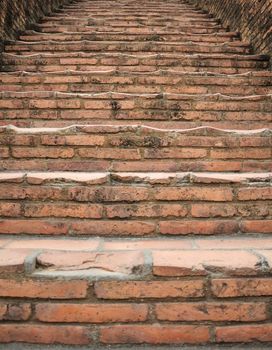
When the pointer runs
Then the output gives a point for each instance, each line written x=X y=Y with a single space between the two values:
x=135 y=193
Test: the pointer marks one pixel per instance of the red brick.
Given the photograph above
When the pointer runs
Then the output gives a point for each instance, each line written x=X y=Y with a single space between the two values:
x=108 y=194
x=112 y=227
x=175 y=153
x=202 y=262
x=91 y=313
x=241 y=287
x=211 y=311
x=117 y=262
x=15 y=311
x=4 y=152
x=194 y=193
x=244 y=334
x=63 y=210
x=256 y=226
x=254 y=193
x=12 y=260
x=213 y=210
x=43 y=104
x=149 y=289
x=154 y=334
x=43 y=289
x=34 y=193
x=33 y=227
x=248 y=153
x=74 y=335
x=77 y=140
x=146 y=210
x=109 y=153
x=198 y=227
x=42 y=152
x=10 y=209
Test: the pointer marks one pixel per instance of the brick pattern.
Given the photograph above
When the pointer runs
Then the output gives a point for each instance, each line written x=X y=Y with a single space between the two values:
x=251 y=18
x=135 y=184
x=17 y=15
x=121 y=206
x=153 y=311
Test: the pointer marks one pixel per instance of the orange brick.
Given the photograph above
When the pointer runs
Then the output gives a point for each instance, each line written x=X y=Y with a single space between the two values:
x=15 y=311
x=213 y=210
x=112 y=227
x=149 y=289
x=109 y=194
x=91 y=313
x=33 y=227
x=78 y=140
x=10 y=209
x=198 y=227
x=255 y=193
x=63 y=210
x=194 y=193
x=240 y=287
x=244 y=334
x=73 y=335
x=256 y=226
x=43 y=289
x=154 y=334
x=109 y=153
x=211 y=311
x=42 y=152
x=146 y=210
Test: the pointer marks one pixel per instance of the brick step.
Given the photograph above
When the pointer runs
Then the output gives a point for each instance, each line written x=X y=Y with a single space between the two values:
x=130 y=30
x=138 y=62
x=131 y=148
x=48 y=105
x=130 y=21
x=135 y=204
x=167 y=81
x=235 y=47
x=32 y=35
x=75 y=293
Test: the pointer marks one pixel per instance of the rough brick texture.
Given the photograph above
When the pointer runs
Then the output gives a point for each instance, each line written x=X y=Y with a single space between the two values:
x=251 y=18
x=17 y=15
x=135 y=183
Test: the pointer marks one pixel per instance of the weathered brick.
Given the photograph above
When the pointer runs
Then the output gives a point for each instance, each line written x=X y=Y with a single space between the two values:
x=213 y=210
x=198 y=227
x=211 y=311
x=41 y=227
x=37 y=152
x=10 y=209
x=108 y=194
x=254 y=193
x=256 y=226
x=194 y=193
x=74 y=335
x=112 y=227
x=241 y=287
x=91 y=313
x=149 y=289
x=63 y=210
x=146 y=210
x=244 y=334
x=28 y=288
x=15 y=311
x=154 y=334
x=193 y=263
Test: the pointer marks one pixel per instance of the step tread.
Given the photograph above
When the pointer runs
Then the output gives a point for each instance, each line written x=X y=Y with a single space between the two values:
x=119 y=259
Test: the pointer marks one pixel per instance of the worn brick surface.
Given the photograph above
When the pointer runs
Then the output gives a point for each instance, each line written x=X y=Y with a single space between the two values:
x=135 y=173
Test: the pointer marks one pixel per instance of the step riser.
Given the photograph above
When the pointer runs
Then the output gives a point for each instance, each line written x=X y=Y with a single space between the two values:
x=132 y=151
x=125 y=37
x=120 y=206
